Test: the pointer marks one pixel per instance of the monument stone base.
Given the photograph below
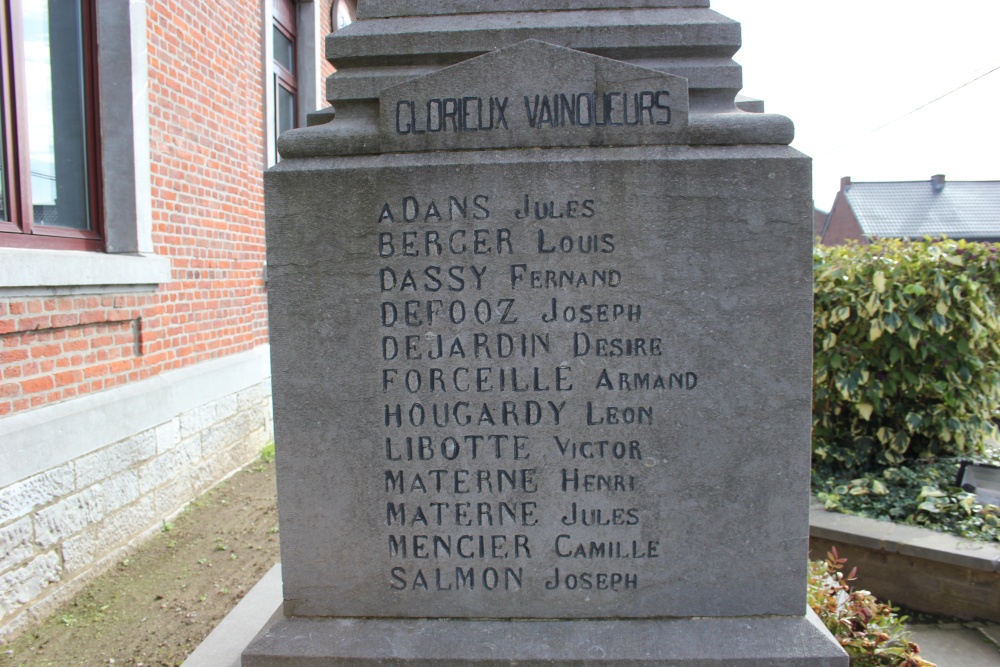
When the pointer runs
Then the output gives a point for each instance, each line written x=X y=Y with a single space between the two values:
x=704 y=642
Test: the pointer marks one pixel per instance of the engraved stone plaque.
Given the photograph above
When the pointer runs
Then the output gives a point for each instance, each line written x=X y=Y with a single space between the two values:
x=504 y=99
x=525 y=389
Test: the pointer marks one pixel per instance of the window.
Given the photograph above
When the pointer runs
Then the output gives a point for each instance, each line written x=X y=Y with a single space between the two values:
x=293 y=76
x=343 y=13
x=285 y=71
x=42 y=262
x=48 y=158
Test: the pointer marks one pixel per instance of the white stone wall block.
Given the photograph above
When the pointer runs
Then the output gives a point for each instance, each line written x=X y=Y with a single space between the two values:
x=197 y=420
x=168 y=435
x=92 y=468
x=253 y=396
x=23 y=585
x=69 y=516
x=258 y=416
x=242 y=427
x=156 y=471
x=19 y=498
x=201 y=478
x=226 y=406
x=237 y=456
x=256 y=442
x=173 y=495
x=119 y=456
x=190 y=449
x=140 y=447
x=224 y=434
x=210 y=471
x=15 y=543
x=126 y=523
x=80 y=551
x=249 y=447
x=120 y=490
x=253 y=420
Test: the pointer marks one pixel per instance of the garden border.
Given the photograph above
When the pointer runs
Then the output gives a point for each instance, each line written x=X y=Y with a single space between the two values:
x=922 y=569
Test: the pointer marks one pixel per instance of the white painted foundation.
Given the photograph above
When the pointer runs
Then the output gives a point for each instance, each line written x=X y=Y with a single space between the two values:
x=82 y=482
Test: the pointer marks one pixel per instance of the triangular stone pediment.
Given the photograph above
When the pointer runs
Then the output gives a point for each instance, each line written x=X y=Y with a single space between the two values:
x=534 y=94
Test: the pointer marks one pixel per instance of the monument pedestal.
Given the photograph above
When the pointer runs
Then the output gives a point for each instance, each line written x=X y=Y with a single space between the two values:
x=702 y=642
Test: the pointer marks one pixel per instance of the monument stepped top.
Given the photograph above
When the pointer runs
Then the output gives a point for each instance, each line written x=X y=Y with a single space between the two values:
x=389 y=8
x=396 y=40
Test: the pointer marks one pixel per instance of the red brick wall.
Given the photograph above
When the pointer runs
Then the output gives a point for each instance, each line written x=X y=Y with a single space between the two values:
x=207 y=151
x=325 y=17
x=58 y=348
x=843 y=225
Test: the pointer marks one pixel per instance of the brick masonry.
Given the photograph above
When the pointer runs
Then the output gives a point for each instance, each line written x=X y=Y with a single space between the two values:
x=206 y=159
x=61 y=527
x=326 y=18
x=922 y=569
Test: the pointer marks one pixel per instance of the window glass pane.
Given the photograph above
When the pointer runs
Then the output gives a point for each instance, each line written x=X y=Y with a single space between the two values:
x=284 y=50
x=343 y=17
x=284 y=109
x=53 y=61
x=4 y=215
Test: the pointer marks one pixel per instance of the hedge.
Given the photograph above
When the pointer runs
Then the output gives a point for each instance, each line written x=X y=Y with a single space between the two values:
x=906 y=351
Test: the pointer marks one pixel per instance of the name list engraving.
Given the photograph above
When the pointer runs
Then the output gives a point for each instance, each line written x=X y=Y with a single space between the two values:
x=518 y=382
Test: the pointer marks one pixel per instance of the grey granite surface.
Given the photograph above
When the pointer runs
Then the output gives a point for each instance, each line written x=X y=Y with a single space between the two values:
x=541 y=310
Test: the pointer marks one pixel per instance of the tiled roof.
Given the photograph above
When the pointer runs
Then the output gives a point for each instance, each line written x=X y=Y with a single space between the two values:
x=960 y=210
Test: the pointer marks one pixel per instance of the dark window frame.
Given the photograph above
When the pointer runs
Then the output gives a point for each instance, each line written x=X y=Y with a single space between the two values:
x=19 y=230
x=284 y=21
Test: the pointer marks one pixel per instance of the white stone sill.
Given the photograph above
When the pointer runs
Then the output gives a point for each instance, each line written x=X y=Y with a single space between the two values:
x=31 y=272
x=44 y=438
x=902 y=539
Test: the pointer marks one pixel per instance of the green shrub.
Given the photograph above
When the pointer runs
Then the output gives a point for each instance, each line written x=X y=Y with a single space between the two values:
x=869 y=630
x=920 y=494
x=906 y=354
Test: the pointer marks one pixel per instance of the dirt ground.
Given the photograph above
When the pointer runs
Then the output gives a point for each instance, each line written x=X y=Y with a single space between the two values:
x=156 y=606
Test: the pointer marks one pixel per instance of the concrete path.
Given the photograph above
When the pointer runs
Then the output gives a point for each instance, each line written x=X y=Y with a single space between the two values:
x=958 y=645
x=946 y=644
x=255 y=612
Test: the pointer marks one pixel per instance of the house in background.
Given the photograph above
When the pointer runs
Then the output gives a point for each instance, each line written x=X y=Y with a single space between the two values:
x=819 y=222
x=914 y=209
x=134 y=359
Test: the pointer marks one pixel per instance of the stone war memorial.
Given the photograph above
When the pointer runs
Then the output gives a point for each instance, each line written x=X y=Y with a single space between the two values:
x=541 y=316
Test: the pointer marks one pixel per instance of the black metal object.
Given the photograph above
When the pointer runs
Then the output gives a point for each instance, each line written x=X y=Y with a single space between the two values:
x=980 y=479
